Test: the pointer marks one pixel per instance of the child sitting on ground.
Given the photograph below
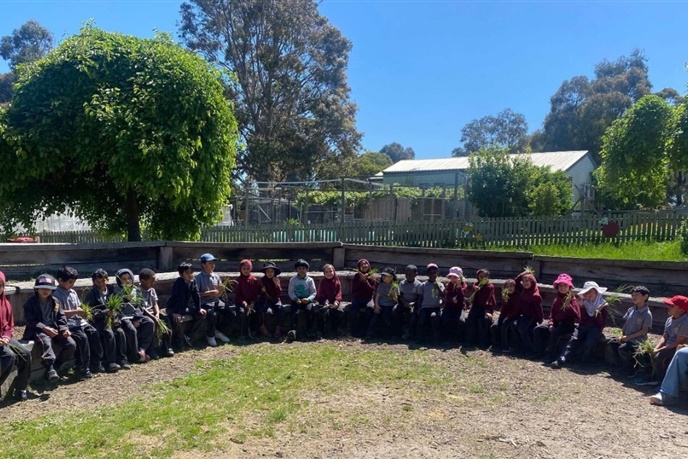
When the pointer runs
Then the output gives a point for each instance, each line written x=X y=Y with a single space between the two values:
x=386 y=296
x=430 y=296
x=329 y=298
x=482 y=303
x=675 y=334
x=563 y=316
x=47 y=325
x=186 y=300
x=270 y=301
x=504 y=330
x=594 y=315
x=454 y=302
x=152 y=310
x=88 y=348
x=302 y=295
x=138 y=327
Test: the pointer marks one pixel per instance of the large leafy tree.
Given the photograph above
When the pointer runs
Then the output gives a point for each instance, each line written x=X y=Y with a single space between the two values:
x=503 y=185
x=635 y=162
x=397 y=152
x=289 y=82
x=582 y=108
x=121 y=131
x=26 y=44
x=508 y=131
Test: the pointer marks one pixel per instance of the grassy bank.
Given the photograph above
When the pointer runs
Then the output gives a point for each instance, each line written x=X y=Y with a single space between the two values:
x=657 y=251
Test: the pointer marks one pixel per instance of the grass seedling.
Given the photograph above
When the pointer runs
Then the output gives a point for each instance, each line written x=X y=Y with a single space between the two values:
x=567 y=300
x=645 y=353
x=18 y=350
x=114 y=304
x=161 y=328
x=529 y=270
x=88 y=312
x=394 y=291
x=483 y=282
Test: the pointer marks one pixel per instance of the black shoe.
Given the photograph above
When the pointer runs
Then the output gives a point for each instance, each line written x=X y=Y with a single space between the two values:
x=21 y=395
x=153 y=355
x=168 y=353
x=113 y=368
x=85 y=374
x=98 y=368
x=51 y=375
x=124 y=365
x=291 y=336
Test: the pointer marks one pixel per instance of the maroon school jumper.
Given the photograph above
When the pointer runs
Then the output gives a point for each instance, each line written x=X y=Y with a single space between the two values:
x=454 y=295
x=362 y=290
x=269 y=291
x=485 y=297
x=329 y=290
x=568 y=316
x=530 y=301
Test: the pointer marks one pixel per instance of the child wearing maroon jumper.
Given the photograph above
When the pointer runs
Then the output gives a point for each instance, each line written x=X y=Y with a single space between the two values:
x=563 y=316
x=269 y=304
x=508 y=314
x=594 y=317
x=329 y=297
x=454 y=301
x=482 y=303
x=363 y=288
x=529 y=310
x=245 y=297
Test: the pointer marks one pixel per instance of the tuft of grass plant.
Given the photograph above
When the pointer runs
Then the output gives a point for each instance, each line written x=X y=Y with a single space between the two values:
x=644 y=354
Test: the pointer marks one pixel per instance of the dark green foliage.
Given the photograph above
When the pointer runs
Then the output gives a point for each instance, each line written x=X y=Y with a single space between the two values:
x=508 y=131
x=123 y=132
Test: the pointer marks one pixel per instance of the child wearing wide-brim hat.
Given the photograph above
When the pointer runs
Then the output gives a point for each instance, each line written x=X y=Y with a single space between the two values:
x=594 y=315
x=269 y=304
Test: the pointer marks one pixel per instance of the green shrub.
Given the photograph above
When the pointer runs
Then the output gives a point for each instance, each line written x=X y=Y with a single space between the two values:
x=683 y=236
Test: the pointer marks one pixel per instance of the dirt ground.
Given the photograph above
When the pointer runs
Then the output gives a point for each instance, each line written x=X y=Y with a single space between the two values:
x=519 y=408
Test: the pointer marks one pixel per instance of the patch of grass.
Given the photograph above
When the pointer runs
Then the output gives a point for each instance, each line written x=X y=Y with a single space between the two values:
x=655 y=251
x=247 y=396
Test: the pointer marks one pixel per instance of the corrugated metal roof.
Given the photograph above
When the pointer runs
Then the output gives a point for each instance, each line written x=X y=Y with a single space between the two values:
x=557 y=160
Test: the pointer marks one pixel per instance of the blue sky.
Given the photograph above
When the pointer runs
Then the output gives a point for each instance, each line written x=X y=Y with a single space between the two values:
x=420 y=70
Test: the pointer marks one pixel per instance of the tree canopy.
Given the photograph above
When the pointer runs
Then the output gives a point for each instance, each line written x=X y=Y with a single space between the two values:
x=503 y=185
x=26 y=44
x=122 y=132
x=397 y=152
x=507 y=131
x=640 y=151
x=582 y=108
x=289 y=82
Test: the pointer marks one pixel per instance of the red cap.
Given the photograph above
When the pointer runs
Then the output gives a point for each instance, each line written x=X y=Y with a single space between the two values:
x=679 y=301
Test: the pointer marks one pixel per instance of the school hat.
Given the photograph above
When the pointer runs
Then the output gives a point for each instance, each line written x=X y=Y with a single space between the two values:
x=206 y=257
x=431 y=266
x=387 y=272
x=589 y=285
x=271 y=265
x=455 y=271
x=678 y=300
x=45 y=281
x=563 y=279
x=301 y=263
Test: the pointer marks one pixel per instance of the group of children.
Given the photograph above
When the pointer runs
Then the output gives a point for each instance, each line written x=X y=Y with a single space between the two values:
x=114 y=326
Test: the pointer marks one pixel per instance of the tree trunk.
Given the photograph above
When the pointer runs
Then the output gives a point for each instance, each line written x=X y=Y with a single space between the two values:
x=132 y=210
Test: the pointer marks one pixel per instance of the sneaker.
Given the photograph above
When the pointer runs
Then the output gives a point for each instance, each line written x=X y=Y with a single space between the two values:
x=556 y=364
x=645 y=382
x=99 y=368
x=142 y=357
x=661 y=399
x=124 y=365
x=153 y=355
x=221 y=336
x=169 y=353
x=21 y=395
x=212 y=342
x=113 y=368
x=85 y=374
x=51 y=375
x=291 y=336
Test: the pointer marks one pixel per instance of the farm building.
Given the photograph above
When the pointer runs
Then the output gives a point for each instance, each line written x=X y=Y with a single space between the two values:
x=447 y=172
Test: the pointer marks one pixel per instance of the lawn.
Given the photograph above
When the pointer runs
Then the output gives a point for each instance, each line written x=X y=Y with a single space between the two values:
x=342 y=399
x=655 y=251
